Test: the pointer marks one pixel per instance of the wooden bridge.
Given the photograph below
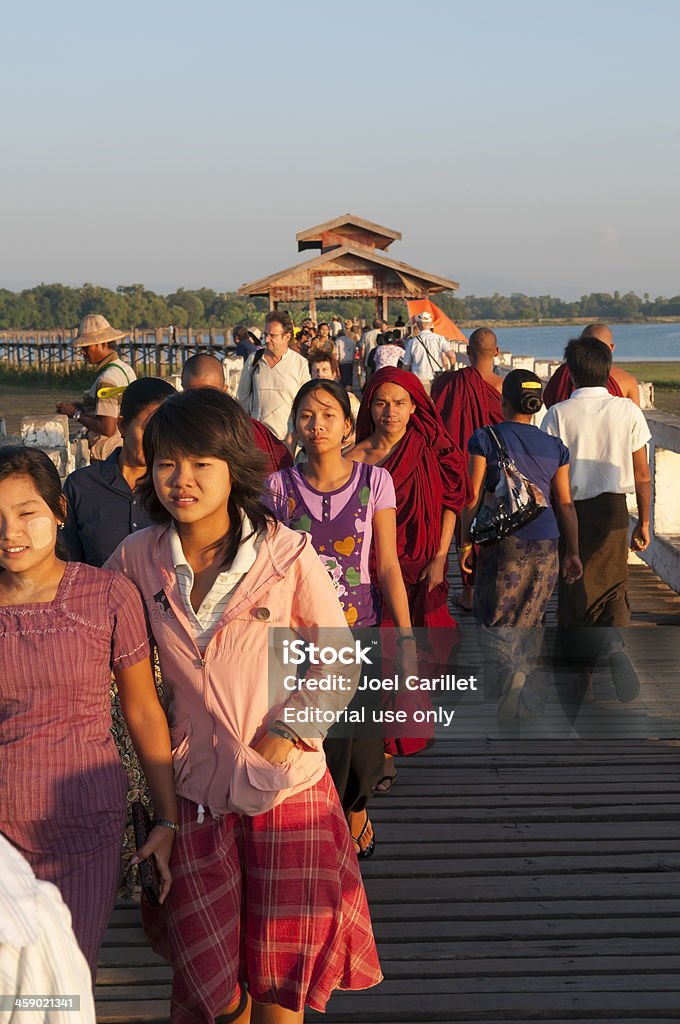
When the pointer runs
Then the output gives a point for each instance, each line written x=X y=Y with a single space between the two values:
x=533 y=879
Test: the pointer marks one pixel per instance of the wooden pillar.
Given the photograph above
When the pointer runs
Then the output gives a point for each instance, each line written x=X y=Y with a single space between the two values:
x=312 y=308
x=385 y=308
x=272 y=302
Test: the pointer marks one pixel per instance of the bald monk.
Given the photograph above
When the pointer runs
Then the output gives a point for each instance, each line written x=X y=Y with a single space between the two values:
x=206 y=371
x=467 y=399
x=621 y=384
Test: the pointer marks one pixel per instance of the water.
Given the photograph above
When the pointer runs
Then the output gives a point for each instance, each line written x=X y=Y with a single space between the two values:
x=634 y=342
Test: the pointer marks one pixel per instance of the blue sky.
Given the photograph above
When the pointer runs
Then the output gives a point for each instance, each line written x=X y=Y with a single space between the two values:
x=530 y=145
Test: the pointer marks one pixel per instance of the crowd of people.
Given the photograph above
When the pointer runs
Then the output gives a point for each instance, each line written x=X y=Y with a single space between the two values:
x=295 y=504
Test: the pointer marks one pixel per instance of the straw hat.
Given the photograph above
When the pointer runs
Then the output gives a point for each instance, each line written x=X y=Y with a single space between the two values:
x=96 y=330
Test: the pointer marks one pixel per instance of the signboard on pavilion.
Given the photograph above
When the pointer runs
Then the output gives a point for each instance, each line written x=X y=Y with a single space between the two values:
x=347 y=283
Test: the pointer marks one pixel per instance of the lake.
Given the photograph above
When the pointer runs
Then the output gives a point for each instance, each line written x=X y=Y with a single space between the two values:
x=634 y=342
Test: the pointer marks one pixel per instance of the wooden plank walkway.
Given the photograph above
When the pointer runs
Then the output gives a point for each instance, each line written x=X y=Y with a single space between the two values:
x=520 y=880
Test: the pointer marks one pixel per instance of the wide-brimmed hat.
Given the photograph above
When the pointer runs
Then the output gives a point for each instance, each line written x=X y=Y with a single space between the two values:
x=256 y=334
x=96 y=330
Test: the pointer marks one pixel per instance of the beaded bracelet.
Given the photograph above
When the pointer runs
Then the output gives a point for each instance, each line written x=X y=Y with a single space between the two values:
x=404 y=637
x=165 y=823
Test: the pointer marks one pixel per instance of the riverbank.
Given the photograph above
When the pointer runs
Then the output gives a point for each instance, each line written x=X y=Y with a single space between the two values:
x=570 y=321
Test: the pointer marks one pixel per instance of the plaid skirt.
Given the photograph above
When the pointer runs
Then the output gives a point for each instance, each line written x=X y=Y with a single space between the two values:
x=275 y=900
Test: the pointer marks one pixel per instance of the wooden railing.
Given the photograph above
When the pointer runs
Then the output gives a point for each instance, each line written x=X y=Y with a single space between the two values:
x=150 y=352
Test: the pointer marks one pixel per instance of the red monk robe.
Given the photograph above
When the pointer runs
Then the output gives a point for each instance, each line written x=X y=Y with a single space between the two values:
x=279 y=456
x=430 y=474
x=466 y=402
x=560 y=387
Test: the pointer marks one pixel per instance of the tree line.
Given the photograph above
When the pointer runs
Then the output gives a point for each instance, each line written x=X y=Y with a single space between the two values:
x=50 y=306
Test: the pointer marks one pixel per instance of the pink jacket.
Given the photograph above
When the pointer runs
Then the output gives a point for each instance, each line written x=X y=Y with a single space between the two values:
x=219 y=701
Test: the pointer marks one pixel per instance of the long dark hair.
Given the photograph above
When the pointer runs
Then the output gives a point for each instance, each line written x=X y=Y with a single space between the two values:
x=208 y=422
x=16 y=460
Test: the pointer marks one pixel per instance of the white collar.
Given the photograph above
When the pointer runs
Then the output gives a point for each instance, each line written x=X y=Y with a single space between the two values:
x=589 y=393
x=243 y=559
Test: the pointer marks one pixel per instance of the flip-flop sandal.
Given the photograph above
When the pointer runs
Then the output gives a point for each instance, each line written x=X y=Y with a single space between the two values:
x=386 y=783
x=370 y=849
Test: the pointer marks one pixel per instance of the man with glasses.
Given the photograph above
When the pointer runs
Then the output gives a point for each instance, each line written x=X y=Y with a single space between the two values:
x=272 y=377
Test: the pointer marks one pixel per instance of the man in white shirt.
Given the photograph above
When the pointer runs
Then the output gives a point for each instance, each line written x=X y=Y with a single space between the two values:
x=39 y=956
x=272 y=377
x=428 y=354
x=607 y=438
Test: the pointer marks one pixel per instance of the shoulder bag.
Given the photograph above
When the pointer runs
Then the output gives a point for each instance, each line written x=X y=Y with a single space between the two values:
x=514 y=501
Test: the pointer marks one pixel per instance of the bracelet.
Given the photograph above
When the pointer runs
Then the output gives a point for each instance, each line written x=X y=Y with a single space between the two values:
x=77 y=414
x=404 y=637
x=284 y=734
x=165 y=823
x=466 y=547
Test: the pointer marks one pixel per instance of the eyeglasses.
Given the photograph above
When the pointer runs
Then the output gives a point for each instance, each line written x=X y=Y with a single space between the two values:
x=268 y=334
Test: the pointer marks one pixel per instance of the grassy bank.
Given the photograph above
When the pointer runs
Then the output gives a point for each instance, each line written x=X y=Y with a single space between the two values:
x=664 y=376
x=57 y=379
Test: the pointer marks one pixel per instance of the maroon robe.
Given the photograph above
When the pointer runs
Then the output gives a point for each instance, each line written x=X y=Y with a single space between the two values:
x=560 y=387
x=430 y=474
x=279 y=456
x=465 y=402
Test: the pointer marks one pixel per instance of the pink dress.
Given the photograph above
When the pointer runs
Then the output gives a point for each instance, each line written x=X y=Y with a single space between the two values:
x=63 y=790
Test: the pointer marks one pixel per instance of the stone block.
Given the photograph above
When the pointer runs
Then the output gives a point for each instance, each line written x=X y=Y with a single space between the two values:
x=45 y=431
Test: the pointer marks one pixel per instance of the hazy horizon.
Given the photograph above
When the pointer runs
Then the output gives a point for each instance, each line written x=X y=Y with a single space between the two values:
x=532 y=144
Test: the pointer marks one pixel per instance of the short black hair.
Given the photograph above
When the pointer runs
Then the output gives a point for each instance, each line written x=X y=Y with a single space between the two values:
x=142 y=393
x=589 y=362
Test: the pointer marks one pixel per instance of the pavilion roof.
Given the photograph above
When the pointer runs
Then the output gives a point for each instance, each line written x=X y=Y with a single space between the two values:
x=416 y=282
x=351 y=229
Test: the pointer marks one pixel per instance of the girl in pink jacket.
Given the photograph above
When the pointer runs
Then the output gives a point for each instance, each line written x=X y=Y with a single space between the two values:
x=267 y=912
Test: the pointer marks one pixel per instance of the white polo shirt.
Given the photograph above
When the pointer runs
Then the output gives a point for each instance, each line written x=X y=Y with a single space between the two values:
x=423 y=354
x=601 y=432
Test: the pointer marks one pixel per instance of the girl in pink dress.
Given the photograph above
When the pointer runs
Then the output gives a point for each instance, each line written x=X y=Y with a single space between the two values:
x=63 y=627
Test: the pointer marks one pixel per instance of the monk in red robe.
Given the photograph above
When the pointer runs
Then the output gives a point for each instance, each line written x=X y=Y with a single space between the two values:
x=621 y=384
x=467 y=399
x=398 y=428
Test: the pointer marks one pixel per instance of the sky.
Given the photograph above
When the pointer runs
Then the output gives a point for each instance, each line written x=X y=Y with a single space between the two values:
x=529 y=146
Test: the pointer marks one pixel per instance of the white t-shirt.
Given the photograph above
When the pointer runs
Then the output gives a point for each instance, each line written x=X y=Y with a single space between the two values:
x=601 y=432
x=423 y=354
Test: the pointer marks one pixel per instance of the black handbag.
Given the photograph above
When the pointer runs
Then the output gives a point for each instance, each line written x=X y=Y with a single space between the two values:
x=514 y=501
